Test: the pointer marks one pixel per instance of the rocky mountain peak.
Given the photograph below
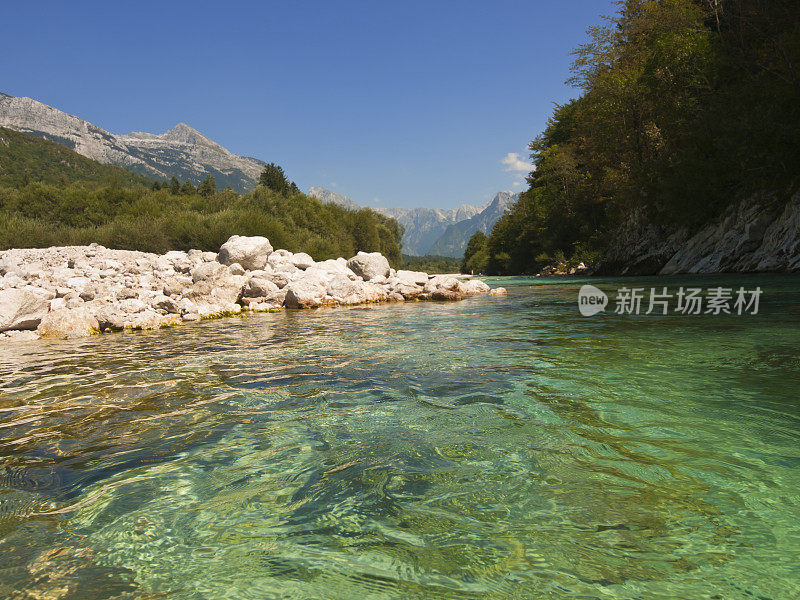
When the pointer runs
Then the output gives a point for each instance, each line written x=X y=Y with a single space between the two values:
x=503 y=200
x=181 y=152
x=185 y=134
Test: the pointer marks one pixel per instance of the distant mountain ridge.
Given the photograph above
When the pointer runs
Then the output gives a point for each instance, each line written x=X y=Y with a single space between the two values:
x=433 y=230
x=454 y=240
x=326 y=195
x=181 y=152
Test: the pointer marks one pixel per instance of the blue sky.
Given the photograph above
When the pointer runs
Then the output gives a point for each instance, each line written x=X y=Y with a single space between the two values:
x=392 y=103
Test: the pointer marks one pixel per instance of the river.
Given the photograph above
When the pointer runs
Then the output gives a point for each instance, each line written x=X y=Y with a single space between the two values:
x=494 y=448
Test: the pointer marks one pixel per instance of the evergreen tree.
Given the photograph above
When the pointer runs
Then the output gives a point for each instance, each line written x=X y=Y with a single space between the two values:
x=275 y=179
x=208 y=186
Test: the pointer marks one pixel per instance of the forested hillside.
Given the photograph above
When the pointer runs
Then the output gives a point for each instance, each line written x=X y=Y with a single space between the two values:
x=26 y=159
x=50 y=196
x=686 y=107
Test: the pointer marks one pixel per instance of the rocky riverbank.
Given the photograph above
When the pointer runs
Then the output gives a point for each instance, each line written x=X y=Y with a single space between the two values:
x=75 y=291
x=758 y=234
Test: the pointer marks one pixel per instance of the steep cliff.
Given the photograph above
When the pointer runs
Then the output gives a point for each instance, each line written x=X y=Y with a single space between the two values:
x=757 y=234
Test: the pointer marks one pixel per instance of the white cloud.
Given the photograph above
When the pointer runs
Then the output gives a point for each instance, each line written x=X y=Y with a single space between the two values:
x=516 y=184
x=514 y=163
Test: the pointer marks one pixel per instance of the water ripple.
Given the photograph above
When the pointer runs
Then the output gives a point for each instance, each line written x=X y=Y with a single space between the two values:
x=489 y=449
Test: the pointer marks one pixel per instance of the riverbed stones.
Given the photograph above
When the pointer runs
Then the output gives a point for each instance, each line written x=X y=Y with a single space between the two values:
x=73 y=291
x=369 y=265
x=251 y=252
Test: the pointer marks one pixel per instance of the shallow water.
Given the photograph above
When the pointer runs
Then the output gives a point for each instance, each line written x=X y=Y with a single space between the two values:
x=488 y=449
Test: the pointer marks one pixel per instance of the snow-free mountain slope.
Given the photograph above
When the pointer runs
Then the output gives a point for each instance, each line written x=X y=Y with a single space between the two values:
x=181 y=152
x=454 y=240
x=423 y=226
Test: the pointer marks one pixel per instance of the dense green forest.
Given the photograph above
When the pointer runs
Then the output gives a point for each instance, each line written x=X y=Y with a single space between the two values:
x=686 y=106
x=49 y=195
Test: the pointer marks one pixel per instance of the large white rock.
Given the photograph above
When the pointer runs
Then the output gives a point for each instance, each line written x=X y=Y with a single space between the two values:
x=250 y=252
x=345 y=291
x=443 y=287
x=68 y=324
x=473 y=287
x=415 y=277
x=258 y=287
x=301 y=260
x=208 y=271
x=308 y=292
x=369 y=265
x=21 y=309
x=405 y=288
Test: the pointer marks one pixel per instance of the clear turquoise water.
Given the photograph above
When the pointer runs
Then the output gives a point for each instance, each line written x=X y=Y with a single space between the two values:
x=494 y=448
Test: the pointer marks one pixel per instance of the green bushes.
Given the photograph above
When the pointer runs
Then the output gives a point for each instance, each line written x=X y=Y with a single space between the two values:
x=49 y=196
x=140 y=218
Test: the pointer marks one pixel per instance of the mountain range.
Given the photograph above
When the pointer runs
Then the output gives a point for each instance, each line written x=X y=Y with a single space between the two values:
x=186 y=154
x=181 y=152
x=454 y=240
x=433 y=230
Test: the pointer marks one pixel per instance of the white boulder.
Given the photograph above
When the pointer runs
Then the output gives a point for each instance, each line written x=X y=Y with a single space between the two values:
x=369 y=265
x=21 y=309
x=251 y=252
x=301 y=260
x=68 y=324
x=416 y=277
x=308 y=292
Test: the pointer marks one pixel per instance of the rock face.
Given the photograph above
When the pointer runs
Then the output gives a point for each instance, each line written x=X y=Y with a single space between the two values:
x=181 y=152
x=251 y=253
x=75 y=291
x=755 y=235
x=431 y=230
x=369 y=265
x=423 y=226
